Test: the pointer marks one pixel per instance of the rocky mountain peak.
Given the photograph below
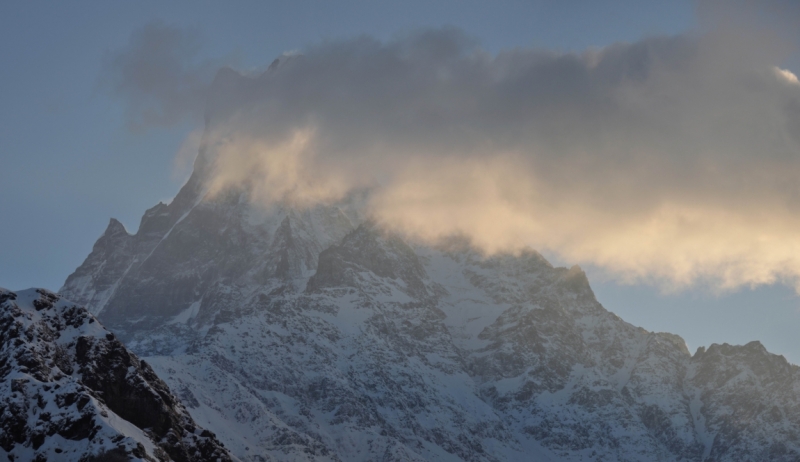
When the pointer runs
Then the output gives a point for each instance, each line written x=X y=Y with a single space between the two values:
x=311 y=333
x=115 y=228
x=368 y=249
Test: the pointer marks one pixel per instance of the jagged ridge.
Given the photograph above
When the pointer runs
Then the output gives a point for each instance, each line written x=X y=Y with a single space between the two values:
x=308 y=334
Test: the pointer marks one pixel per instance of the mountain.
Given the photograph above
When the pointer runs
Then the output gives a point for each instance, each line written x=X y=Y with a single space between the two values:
x=72 y=391
x=311 y=333
x=306 y=335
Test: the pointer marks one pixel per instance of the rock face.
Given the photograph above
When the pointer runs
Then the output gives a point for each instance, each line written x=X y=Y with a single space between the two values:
x=72 y=391
x=374 y=349
x=311 y=334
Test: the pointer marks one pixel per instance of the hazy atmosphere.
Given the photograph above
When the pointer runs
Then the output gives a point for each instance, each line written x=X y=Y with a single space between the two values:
x=658 y=146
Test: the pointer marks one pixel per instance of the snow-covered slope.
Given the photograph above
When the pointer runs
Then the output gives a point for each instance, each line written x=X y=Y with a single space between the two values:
x=71 y=391
x=311 y=334
x=394 y=352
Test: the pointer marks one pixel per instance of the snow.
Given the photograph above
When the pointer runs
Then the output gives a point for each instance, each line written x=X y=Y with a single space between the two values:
x=186 y=315
x=46 y=401
x=456 y=355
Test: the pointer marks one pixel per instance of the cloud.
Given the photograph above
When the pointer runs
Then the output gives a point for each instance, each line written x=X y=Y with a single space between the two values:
x=274 y=171
x=787 y=76
x=158 y=76
x=672 y=160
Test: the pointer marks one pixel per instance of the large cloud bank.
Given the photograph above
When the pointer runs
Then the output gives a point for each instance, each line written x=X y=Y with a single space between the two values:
x=672 y=159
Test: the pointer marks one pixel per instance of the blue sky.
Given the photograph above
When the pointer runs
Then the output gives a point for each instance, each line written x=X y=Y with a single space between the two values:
x=71 y=162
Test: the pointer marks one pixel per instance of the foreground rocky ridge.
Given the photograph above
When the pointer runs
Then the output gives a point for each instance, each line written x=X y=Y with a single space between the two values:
x=72 y=391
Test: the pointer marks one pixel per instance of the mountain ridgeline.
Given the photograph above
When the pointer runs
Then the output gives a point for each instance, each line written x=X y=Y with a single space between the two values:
x=310 y=333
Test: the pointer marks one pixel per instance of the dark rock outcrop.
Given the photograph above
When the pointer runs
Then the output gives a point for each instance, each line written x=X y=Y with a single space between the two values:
x=74 y=392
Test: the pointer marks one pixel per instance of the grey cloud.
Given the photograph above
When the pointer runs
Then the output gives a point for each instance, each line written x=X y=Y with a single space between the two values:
x=674 y=101
x=672 y=158
x=158 y=76
x=784 y=14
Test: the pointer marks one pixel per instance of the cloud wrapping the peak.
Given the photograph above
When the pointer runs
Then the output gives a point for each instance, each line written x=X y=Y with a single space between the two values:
x=158 y=76
x=673 y=160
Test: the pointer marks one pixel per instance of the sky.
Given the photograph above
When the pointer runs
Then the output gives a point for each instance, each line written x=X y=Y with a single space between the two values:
x=651 y=142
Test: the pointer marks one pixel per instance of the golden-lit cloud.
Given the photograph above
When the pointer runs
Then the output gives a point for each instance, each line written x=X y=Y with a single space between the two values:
x=672 y=243
x=787 y=75
x=273 y=172
x=672 y=160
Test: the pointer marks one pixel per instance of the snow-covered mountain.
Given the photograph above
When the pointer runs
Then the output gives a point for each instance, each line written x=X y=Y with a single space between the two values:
x=303 y=334
x=310 y=333
x=72 y=391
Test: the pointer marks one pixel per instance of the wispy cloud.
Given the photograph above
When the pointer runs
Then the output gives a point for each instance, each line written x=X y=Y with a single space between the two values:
x=158 y=76
x=671 y=159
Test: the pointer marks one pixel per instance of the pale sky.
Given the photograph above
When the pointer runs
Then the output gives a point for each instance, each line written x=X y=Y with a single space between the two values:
x=72 y=159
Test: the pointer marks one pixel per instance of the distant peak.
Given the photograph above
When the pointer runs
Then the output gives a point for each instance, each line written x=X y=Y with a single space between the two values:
x=756 y=346
x=225 y=75
x=676 y=340
x=115 y=227
x=575 y=279
x=575 y=270
x=727 y=349
x=282 y=59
